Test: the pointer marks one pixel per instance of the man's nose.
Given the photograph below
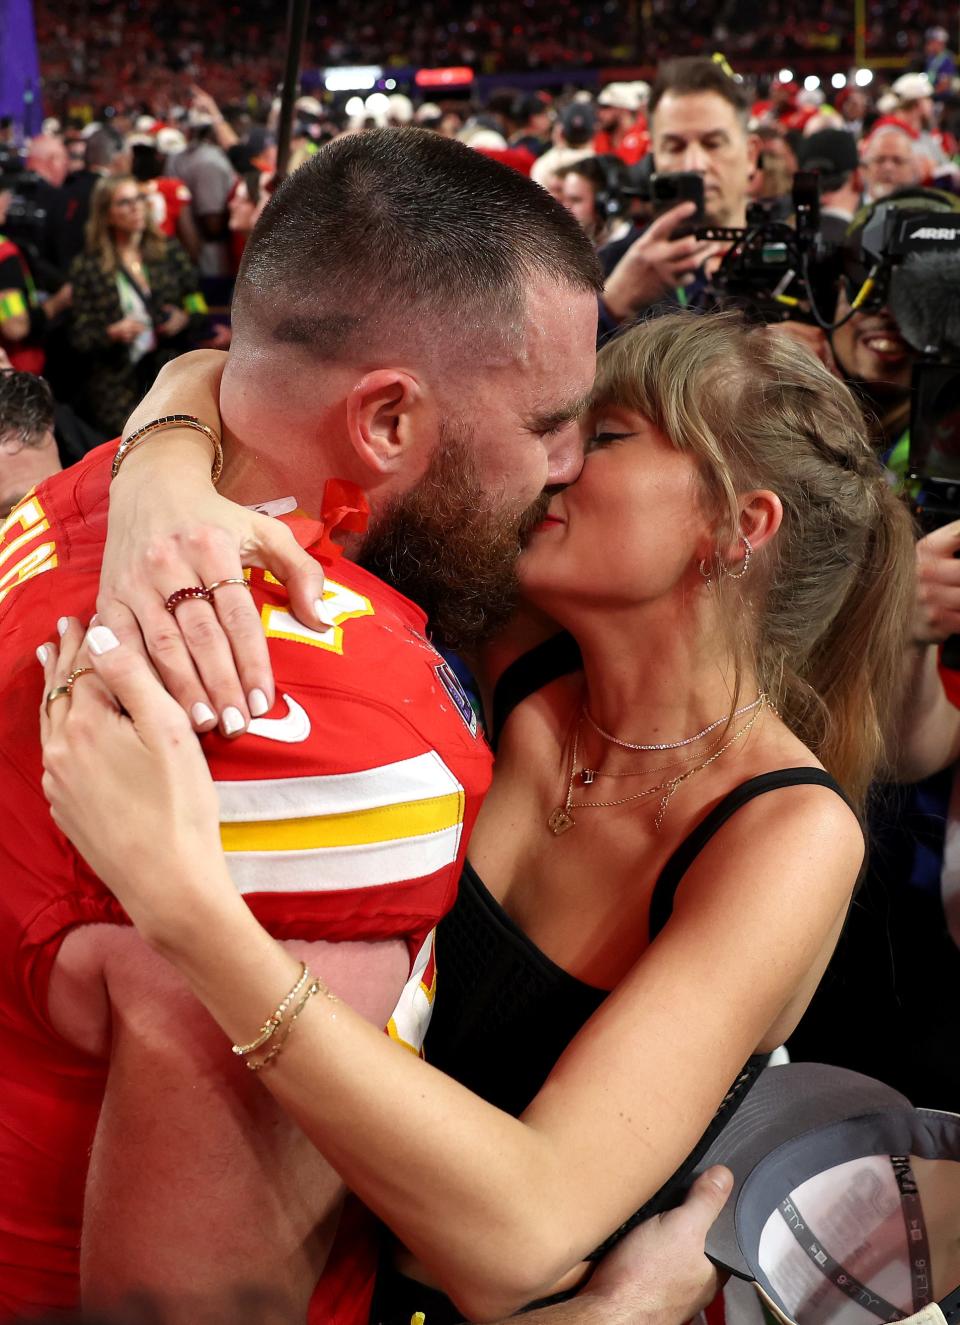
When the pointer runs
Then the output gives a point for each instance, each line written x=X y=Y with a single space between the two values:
x=695 y=158
x=565 y=458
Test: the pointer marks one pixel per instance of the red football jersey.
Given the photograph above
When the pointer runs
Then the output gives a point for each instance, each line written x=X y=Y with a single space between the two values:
x=344 y=815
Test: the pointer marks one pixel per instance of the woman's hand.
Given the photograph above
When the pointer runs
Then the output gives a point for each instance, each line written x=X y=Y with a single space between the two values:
x=126 y=330
x=133 y=793
x=175 y=321
x=169 y=529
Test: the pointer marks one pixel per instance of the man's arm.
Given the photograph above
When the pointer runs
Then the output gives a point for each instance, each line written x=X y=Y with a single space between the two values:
x=658 y=1274
x=198 y=1183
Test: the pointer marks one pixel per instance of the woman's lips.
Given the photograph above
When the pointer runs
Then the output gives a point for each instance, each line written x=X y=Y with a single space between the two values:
x=548 y=522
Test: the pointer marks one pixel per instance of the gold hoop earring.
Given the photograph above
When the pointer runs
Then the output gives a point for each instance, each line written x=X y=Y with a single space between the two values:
x=748 y=553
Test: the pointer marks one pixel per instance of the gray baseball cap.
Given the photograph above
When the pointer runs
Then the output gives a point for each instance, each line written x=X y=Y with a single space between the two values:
x=846 y=1201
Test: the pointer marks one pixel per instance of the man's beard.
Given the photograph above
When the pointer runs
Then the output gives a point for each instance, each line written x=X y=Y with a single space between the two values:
x=447 y=549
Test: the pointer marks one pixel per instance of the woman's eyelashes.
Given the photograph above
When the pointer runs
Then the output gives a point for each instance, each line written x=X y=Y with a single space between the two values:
x=600 y=439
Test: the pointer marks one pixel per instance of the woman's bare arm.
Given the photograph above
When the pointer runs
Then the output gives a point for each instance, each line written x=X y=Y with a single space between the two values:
x=498 y=1208
x=169 y=528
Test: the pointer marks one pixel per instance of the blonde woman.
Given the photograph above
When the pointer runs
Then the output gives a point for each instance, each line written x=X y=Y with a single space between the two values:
x=135 y=301
x=658 y=876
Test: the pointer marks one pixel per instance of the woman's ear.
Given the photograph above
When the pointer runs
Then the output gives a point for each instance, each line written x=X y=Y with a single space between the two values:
x=379 y=419
x=761 y=514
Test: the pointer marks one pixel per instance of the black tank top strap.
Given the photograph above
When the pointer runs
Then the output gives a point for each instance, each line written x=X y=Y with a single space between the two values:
x=661 y=905
x=555 y=657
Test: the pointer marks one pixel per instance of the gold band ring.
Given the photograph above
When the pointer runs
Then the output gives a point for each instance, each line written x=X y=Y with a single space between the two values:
x=58 y=692
x=232 y=579
x=80 y=671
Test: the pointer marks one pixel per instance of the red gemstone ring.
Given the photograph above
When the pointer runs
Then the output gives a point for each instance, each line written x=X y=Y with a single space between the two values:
x=182 y=595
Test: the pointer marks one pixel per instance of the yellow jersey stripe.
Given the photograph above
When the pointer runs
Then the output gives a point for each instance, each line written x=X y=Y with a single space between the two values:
x=384 y=824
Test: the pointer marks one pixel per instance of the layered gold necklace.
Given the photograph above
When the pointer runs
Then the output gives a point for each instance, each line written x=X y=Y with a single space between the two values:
x=562 y=819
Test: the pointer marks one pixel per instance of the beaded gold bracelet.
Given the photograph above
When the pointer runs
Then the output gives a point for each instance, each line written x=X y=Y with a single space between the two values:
x=161 y=425
x=315 y=987
x=274 y=1021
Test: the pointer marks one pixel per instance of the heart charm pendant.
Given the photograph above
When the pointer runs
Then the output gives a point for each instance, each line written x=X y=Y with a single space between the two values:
x=561 y=821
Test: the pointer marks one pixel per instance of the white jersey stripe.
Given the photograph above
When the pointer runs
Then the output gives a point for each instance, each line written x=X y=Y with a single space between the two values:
x=420 y=778
x=330 y=869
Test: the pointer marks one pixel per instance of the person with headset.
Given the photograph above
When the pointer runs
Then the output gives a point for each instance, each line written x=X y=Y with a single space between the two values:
x=596 y=192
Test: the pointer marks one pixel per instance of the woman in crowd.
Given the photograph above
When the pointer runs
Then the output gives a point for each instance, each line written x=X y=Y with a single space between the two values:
x=662 y=868
x=135 y=301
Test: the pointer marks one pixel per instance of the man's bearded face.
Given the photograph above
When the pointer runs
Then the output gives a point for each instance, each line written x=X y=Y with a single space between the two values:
x=450 y=550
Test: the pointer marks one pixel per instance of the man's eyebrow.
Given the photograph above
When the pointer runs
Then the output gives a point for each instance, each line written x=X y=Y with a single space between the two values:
x=550 y=420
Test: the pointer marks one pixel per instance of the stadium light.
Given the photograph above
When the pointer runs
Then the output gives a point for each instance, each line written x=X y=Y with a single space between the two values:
x=377 y=104
x=355 y=106
x=390 y=84
x=356 y=78
x=863 y=77
x=785 y=76
x=838 y=81
x=811 y=82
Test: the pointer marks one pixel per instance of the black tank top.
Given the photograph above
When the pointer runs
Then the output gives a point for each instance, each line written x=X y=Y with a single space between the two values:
x=505 y=1012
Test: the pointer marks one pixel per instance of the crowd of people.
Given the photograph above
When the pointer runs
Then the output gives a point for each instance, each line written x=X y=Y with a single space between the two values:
x=721 y=812
x=97 y=52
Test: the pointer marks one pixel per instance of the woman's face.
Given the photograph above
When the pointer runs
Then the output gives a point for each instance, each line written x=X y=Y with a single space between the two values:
x=128 y=211
x=629 y=530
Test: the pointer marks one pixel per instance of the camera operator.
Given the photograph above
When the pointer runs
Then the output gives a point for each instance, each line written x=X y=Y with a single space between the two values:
x=832 y=153
x=869 y=350
x=699 y=123
x=596 y=192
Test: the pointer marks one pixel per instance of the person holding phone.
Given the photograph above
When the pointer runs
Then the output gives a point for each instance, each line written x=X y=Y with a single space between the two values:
x=699 y=128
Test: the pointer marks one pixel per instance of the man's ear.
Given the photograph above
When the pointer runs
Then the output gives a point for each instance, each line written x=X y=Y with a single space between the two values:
x=380 y=410
x=753 y=152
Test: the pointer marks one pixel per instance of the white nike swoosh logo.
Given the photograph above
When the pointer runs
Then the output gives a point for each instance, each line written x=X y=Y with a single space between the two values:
x=292 y=729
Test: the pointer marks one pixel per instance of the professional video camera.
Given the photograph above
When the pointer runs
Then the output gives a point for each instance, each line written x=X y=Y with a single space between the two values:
x=905 y=256
x=26 y=215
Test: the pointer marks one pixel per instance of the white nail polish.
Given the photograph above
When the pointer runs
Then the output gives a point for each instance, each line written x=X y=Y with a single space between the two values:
x=201 y=715
x=62 y=626
x=257 y=701
x=232 y=720
x=43 y=653
x=101 y=639
x=323 y=613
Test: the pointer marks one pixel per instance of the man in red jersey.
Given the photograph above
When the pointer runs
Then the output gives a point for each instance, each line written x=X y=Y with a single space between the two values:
x=432 y=347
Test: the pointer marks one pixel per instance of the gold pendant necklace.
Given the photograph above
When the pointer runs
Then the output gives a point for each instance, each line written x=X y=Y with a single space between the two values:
x=561 y=820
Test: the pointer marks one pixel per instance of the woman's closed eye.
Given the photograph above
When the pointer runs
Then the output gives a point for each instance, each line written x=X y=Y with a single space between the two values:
x=600 y=439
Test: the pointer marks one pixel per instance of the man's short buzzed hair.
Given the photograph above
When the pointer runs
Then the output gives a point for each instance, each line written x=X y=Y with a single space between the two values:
x=396 y=233
x=26 y=408
x=697 y=73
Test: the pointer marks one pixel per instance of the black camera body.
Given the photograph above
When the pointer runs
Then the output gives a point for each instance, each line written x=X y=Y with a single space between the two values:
x=26 y=215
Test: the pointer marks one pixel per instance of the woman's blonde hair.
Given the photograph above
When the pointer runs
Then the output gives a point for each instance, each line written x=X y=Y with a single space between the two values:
x=822 y=617
x=99 y=240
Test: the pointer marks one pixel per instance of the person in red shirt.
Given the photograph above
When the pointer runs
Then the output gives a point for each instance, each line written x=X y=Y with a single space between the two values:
x=622 y=125
x=346 y=810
